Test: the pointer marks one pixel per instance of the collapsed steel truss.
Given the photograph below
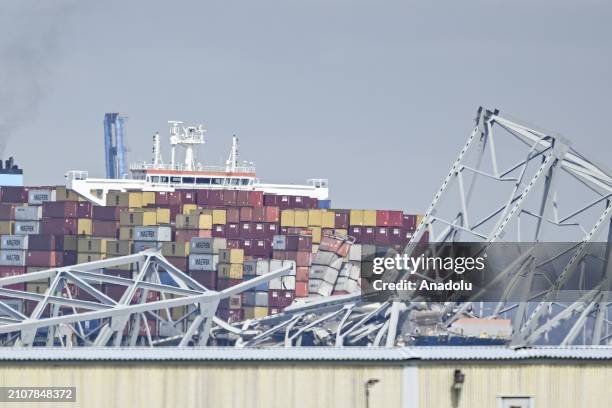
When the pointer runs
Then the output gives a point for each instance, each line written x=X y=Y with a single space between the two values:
x=62 y=317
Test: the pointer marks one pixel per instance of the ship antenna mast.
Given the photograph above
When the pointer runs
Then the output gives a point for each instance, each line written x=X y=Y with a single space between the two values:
x=157 y=157
x=174 y=140
x=232 y=160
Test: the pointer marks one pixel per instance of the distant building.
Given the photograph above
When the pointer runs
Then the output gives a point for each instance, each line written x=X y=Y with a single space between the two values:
x=10 y=173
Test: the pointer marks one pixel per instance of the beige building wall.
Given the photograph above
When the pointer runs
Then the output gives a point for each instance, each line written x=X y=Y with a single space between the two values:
x=554 y=385
x=165 y=384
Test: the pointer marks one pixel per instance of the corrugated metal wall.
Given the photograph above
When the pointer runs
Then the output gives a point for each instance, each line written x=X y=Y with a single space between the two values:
x=568 y=385
x=211 y=385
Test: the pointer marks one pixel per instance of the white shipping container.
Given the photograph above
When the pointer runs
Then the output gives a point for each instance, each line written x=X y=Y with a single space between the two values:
x=355 y=252
x=144 y=245
x=202 y=262
x=201 y=246
x=275 y=264
x=279 y=242
x=288 y=282
x=325 y=273
x=14 y=242
x=24 y=213
x=324 y=258
x=290 y=264
x=275 y=284
x=38 y=196
x=318 y=287
x=12 y=257
x=263 y=267
x=159 y=233
x=27 y=227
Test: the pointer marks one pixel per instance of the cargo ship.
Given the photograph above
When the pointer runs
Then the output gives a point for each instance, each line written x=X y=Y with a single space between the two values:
x=157 y=175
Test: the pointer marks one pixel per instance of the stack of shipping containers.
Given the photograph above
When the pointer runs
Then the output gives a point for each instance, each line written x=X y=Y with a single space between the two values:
x=219 y=237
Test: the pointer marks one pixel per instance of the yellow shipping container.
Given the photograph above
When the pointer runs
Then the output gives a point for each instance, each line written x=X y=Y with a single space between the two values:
x=64 y=194
x=163 y=216
x=126 y=233
x=175 y=248
x=219 y=217
x=230 y=271
x=301 y=218
x=30 y=269
x=231 y=256
x=194 y=221
x=419 y=218
x=132 y=199
x=92 y=245
x=314 y=218
x=6 y=227
x=82 y=258
x=122 y=267
x=138 y=218
x=37 y=287
x=256 y=312
x=288 y=218
x=356 y=218
x=118 y=248
x=316 y=235
x=187 y=208
x=84 y=226
x=341 y=232
x=148 y=197
x=328 y=219
x=369 y=218
x=70 y=242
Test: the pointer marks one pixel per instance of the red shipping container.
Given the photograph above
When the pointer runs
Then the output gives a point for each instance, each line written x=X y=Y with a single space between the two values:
x=186 y=235
x=232 y=231
x=303 y=258
x=13 y=194
x=109 y=229
x=302 y=274
x=330 y=244
x=102 y=213
x=152 y=296
x=230 y=315
x=246 y=213
x=208 y=279
x=409 y=222
x=179 y=262
x=259 y=214
x=232 y=214
x=313 y=202
x=218 y=231
x=7 y=211
x=242 y=198
x=202 y=197
x=161 y=198
x=341 y=219
x=272 y=214
x=84 y=209
x=59 y=226
x=256 y=198
x=60 y=209
x=229 y=197
x=43 y=258
x=389 y=218
x=234 y=244
x=11 y=271
x=301 y=289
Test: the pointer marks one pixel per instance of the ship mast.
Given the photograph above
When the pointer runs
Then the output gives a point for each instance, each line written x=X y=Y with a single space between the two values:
x=232 y=161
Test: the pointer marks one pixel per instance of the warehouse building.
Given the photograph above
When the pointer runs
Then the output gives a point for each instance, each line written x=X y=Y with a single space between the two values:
x=424 y=377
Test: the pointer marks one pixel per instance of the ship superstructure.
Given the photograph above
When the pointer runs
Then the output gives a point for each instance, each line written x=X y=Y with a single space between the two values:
x=188 y=173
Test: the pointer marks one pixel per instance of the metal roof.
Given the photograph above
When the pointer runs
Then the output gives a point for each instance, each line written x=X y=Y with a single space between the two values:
x=306 y=354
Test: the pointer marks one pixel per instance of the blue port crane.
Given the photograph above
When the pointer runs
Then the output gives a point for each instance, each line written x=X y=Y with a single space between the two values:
x=114 y=146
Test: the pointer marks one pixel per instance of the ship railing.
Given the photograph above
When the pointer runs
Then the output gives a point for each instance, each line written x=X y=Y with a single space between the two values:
x=318 y=182
x=197 y=167
x=77 y=175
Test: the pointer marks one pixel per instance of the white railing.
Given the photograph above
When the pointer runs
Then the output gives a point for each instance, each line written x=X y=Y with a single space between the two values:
x=182 y=167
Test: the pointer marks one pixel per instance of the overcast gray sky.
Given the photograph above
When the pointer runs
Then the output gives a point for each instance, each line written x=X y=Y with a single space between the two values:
x=377 y=96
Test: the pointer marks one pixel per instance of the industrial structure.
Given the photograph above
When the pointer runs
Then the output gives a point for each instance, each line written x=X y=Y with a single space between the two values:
x=114 y=146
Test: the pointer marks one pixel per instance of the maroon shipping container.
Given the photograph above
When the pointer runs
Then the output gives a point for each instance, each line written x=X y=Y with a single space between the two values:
x=248 y=246
x=234 y=244
x=186 y=235
x=161 y=198
x=227 y=283
x=355 y=232
x=13 y=194
x=229 y=197
x=279 y=255
x=280 y=298
x=246 y=230
x=304 y=243
x=215 y=198
x=386 y=218
x=16 y=286
x=202 y=197
x=59 y=226
x=218 y=231
x=188 y=197
x=272 y=214
x=284 y=202
x=42 y=242
x=232 y=231
x=69 y=258
x=108 y=229
x=242 y=198
x=174 y=198
x=259 y=214
x=270 y=200
x=43 y=258
x=256 y=198
x=262 y=248
x=341 y=219
x=246 y=213
x=11 y=271
x=298 y=202
x=396 y=235
x=382 y=236
x=302 y=274
x=303 y=258
x=232 y=214
x=409 y=222
x=208 y=279
x=230 y=315
x=291 y=242
x=179 y=262
x=368 y=235
x=102 y=213
x=60 y=209
x=7 y=211
x=84 y=209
